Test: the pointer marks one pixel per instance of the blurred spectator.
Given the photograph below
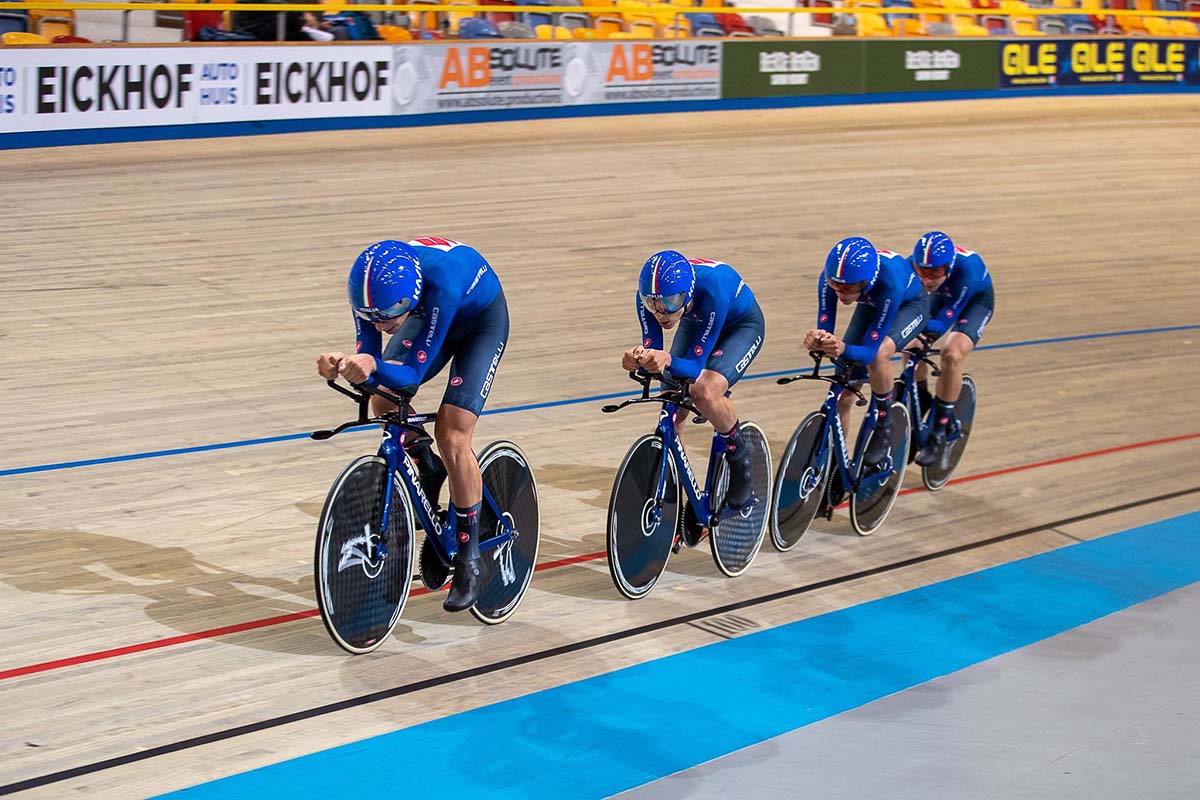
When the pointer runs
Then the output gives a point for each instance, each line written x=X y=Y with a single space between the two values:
x=263 y=25
x=321 y=30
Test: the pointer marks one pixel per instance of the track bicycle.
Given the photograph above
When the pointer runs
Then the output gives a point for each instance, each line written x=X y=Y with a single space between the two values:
x=936 y=475
x=817 y=469
x=365 y=535
x=648 y=516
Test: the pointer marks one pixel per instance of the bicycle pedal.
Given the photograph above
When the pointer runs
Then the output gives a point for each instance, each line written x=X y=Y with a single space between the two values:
x=675 y=548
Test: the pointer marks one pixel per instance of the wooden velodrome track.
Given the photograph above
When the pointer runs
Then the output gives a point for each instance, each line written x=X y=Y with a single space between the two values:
x=173 y=295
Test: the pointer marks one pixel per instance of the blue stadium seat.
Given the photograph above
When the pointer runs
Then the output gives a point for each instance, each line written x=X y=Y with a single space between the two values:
x=535 y=18
x=474 y=28
x=891 y=19
x=1078 y=23
x=14 y=22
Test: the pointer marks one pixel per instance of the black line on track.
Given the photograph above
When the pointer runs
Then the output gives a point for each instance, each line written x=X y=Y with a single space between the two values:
x=542 y=655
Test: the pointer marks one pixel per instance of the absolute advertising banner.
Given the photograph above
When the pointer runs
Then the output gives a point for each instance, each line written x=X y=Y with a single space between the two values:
x=777 y=68
x=1087 y=62
x=501 y=75
x=56 y=89
x=487 y=75
x=635 y=71
x=921 y=66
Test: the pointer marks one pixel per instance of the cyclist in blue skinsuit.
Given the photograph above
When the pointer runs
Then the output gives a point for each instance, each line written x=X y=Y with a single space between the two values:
x=440 y=302
x=962 y=301
x=721 y=330
x=891 y=309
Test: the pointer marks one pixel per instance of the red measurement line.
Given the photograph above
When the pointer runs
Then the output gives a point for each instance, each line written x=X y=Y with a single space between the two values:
x=212 y=633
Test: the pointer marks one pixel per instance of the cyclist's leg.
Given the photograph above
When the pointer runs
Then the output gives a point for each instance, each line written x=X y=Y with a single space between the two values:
x=732 y=354
x=687 y=328
x=959 y=343
x=909 y=320
x=477 y=351
x=430 y=467
x=936 y=303
x=856 y=331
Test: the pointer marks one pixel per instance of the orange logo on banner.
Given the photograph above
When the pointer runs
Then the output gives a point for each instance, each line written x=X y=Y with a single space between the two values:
x=472 y=75
x=639 y=68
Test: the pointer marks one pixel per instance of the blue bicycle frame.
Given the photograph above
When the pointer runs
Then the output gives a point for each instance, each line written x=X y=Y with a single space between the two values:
x=399 y=429
x=700 y=499
x=912 y=398
x=834 y=435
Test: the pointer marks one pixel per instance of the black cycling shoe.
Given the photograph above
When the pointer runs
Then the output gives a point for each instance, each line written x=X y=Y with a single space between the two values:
x=464 y=586
x=931 y=453
x=741 y=482
x=693 y=529
x=880 y=445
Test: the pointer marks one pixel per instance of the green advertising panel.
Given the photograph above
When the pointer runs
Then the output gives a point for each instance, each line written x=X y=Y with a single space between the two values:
x=922 y=66
x=781 y=68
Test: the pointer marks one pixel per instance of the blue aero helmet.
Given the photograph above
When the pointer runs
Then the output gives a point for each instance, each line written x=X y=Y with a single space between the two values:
x=385 y=281
x=853 y=260
x=667 y=282
x=934 y=250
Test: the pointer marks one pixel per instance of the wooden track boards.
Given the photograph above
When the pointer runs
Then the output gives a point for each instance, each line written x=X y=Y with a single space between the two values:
x=168 y=295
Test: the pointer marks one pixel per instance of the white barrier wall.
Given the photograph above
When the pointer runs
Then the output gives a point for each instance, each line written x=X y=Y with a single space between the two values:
x=85 y=88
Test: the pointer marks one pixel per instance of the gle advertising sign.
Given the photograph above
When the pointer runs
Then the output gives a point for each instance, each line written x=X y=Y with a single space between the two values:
x=1092 y=61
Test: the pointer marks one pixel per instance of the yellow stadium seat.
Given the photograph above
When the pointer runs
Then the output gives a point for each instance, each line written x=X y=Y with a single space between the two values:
x=872 y=25
x=713 y=4
x=1132 y=24
x=584 y=33
x=1065 y=4
x=544 y=31
x=1157 y=26
x=454 y=17
x=393 y=33
x=595 y=15
x=965 y=25
x=643 y=29
x=1025 y=27
x=52 y=23
x=53 y=27
x=683 y=29
x=1183 y=27
x=616 y=35
x=606 y=26
x=19 y=37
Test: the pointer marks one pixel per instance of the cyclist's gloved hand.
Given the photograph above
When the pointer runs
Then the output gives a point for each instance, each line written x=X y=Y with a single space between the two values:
x=654 y=360
x=357 y=368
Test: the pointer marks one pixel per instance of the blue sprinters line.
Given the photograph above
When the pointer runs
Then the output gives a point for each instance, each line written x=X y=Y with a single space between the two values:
x=596 y=737
x=532 y=406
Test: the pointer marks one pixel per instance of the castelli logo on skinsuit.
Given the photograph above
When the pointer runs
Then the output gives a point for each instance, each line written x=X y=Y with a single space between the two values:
x=421 y=356
x=646 y=343
x=697 y=349
x=456 y=381
x=875 y=336
x=824 y=318
x=407 y=343
x=718 y=352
